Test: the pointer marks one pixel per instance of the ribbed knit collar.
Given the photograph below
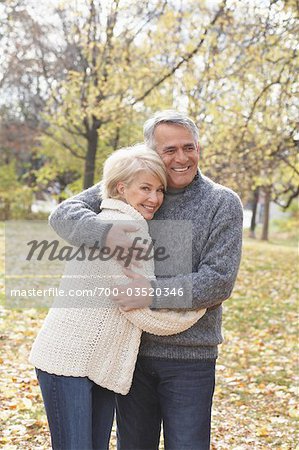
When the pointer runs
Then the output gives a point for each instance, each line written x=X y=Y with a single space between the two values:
x=173 y=191
x=194 y=186
x=119 y=205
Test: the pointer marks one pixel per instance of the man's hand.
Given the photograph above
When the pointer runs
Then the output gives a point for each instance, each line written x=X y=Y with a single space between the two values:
x=140 y=288
x=117 y=238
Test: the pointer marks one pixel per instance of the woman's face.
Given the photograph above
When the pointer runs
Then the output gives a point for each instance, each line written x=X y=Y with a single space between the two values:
x=145 y=193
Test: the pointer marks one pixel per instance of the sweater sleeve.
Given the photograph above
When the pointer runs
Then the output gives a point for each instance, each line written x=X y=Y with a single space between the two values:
x=163 y=322
x=217 y=270
x=76 y=219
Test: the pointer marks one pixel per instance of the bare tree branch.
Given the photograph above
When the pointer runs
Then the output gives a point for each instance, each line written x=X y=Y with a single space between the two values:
x=184 y=59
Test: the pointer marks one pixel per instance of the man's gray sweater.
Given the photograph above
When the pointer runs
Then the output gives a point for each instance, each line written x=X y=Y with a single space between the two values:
x=216 y=215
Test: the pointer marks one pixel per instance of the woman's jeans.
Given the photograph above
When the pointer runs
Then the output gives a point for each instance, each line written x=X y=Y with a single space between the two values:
x=80 y=413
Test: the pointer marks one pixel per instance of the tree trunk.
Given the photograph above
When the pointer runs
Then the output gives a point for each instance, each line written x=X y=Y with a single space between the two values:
x=255 y=201
x=116 y=139
x=90 y=159
x=6 y=215
x=265 y=232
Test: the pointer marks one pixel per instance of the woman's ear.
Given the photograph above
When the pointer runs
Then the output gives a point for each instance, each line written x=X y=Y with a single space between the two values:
x=120 y=187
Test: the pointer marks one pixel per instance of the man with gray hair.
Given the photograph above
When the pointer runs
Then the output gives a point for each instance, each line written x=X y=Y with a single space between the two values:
x=175 y=375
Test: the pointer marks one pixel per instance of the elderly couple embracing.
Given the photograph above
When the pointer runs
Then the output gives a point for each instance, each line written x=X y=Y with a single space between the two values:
x=131 y=352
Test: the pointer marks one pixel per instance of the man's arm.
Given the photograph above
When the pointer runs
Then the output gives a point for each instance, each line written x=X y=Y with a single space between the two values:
x=219 y=263
x=214 y=279
x=76 y=221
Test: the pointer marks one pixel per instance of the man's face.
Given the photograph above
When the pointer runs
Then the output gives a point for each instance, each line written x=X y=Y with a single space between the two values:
x=179 y=152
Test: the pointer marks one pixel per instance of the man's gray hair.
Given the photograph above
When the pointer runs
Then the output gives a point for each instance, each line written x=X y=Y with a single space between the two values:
x=171 y=117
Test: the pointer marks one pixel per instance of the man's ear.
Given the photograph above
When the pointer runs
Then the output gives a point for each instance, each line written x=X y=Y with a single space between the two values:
x=120 y=187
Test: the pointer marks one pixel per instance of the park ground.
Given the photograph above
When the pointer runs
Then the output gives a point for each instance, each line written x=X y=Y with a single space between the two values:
x=257 y=389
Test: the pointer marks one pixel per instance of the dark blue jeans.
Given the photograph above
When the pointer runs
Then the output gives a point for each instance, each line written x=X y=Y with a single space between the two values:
x=176 y=392
x=80 y=413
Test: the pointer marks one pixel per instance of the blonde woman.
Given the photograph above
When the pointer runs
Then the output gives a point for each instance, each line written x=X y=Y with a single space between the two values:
x=87 y=348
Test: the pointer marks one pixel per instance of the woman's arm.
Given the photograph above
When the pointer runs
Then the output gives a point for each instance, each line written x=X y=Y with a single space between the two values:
x=163 y=322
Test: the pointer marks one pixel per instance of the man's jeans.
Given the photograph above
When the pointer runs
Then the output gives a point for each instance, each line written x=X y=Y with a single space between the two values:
x=177 y=392
x=80 y=413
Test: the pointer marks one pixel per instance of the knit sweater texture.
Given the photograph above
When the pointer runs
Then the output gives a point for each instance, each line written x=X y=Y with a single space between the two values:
x=216 y=215
x=90 y=336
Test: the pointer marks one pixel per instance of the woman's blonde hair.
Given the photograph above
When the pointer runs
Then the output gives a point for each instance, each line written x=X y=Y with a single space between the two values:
x=123 y=165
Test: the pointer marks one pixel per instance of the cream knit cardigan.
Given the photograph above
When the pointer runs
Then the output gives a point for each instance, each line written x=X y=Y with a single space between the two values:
x=88 y=336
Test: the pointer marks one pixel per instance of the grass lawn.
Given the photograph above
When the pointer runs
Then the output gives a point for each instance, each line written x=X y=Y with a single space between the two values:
x=255 y=399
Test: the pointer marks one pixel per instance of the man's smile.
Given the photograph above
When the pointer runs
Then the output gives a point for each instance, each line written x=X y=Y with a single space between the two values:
x=180 y=169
